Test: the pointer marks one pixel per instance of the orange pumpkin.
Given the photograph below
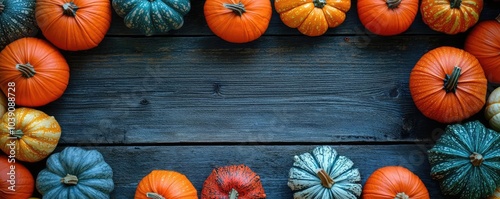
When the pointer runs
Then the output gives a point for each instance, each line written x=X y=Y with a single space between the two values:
x=234 y=181
x=16 y=181
x=387 y=17
x=34 y=71
x=31 y=133
x=484 y=43
x=394 y=182
x=74 y=25
x=165 y=184
x=3 y=104
x=238 y=21
x=448 y=85
x=312 y=17
x=451 y=16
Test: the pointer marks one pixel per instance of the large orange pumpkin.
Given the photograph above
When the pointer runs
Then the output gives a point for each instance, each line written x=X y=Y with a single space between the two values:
x=451 y=16
x=448 y=85
x=484 y=43
x=16 y=181
x=387 y=17
x=34 y=71
x=165 y=184
x=394 y=182
x=74 y=25
x=312 y=17
x=32 y=134
x=238 y=21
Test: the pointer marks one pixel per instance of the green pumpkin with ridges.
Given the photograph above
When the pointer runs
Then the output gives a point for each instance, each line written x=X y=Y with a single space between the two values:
x=152 y=16
x=17 y=20
x=466 y=161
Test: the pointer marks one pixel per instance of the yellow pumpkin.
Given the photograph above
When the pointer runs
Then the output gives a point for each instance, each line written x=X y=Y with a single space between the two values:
x=3 y=104
x=492 y=110
x=496 y=194
x=28 y=134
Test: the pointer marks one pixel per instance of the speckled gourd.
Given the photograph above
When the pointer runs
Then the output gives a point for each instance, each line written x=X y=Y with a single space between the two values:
x=323 y=174
x=466 y=161
x=17 y=20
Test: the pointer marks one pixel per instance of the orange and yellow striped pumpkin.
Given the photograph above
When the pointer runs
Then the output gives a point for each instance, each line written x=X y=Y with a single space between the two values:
x=451 y=16
x=29 y=134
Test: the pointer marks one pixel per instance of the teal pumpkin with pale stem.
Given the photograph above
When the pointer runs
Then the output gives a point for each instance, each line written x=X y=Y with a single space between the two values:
x=17 y=20
x=76 y=173
x=466 y=161
x=152 y=16
x=323 y=174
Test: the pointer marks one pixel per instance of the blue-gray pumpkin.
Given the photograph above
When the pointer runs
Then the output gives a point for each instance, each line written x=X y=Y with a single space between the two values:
x=152 y=16
x=323 y=174
x=466 y=161
x=76 y=173
x=17 y=20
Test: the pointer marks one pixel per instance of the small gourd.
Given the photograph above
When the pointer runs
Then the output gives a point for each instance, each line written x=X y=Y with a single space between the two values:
x=324 y=174
x=492 y=110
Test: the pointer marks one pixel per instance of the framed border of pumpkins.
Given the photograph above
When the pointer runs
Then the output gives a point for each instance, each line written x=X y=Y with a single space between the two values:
x=447 y=85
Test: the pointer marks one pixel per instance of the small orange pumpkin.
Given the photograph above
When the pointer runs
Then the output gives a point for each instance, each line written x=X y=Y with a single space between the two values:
x=387 y=17
x=31 y=133
x=74 y=25
x=451 y=16
x=312 y=17
x=16 y=181
x=394 y=182
x=238 y=21
x=165 y=184
x=448 y=85
x=234 y=181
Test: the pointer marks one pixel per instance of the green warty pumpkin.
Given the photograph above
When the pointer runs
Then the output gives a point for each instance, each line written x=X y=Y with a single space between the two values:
x=466 y=161
x=75 y=173
x=17 y=20
x=152 y=16
x=323 y=174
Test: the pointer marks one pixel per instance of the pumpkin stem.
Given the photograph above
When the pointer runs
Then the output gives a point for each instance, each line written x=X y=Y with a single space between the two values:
x=233 y=194
x=326 y=180
x=393 y=3
x=70 y=9
x=27 y=70
x=237 y=8
x=455 y=3
x=402 y=195
x=70 y=179
x=154 y=195
x=17 y=134
x=319 y=3
x=476 y=159
x=451 y=81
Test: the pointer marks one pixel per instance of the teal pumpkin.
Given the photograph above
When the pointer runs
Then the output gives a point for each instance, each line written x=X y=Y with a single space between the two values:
x=152 y=16
x=17 y=20
x=466 y=161
x=323 y=174
x=75 y=173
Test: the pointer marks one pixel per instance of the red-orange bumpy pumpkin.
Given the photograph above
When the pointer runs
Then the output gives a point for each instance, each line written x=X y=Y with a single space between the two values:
x=387 y=17
x=448 y=85
x=74 y=25
x=33 y=71
x=233 y=181
x=238 y=21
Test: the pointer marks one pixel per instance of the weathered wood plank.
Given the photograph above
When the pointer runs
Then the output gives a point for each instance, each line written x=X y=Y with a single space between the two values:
x=195 y=24
x=280 y=89
x=272 y=163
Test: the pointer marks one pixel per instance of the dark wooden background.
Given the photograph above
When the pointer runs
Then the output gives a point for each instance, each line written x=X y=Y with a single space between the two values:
x=189 y=101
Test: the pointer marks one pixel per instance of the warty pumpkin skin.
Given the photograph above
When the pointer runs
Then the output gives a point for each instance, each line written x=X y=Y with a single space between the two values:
x=38 y=70
x=312 y=17
x=24 y=181
x=323 y=174
x=492 y=110
x=152 y=16
x=238 y=21
x=387 y=17
x=448 y=85
x=75 y=173
x=17 y=20
x=451 y=16
x=165 y=184
x=394 y=182
x=34 y=135
x=233 y=182
x=74 y=25
x=466 y=161
x=484 y=43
